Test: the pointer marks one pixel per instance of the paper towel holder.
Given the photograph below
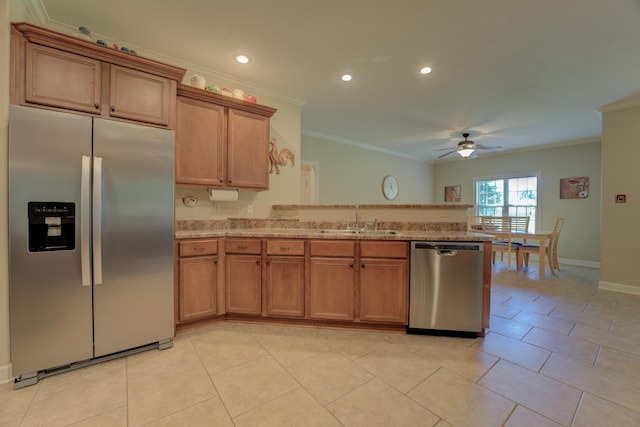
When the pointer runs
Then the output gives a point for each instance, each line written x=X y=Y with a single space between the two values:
x=218 y=195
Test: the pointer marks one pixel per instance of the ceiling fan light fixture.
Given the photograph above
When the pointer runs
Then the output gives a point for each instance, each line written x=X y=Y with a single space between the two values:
x=466 y=152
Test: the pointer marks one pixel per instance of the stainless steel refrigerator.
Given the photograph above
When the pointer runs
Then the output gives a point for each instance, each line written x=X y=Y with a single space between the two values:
x=91 y=210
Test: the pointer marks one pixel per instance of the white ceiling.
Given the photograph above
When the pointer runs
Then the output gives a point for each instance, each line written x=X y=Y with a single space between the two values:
x=513 y=73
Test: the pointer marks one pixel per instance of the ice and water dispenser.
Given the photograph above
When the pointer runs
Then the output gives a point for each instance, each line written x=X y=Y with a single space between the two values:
x=51 y=226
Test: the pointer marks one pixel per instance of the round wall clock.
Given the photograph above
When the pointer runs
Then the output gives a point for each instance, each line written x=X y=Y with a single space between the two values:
x=390 y=187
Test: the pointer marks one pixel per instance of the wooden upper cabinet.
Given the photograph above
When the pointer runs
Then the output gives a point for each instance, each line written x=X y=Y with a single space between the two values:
x=248 y=150
x=62 y=79
x=139 y=96
x=199 y=143
x=221 y=141
x=54 y=70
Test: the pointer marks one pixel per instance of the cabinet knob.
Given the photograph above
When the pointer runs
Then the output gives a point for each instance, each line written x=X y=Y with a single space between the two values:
x=97 y=106
x=363 y=265
x=257 y=261
x=113 y=108
x=350 y=265
x=215 y=261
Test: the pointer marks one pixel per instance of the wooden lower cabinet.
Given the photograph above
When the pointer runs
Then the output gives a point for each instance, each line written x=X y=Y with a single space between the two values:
x=285 y=286
x=197 y=279
x=384 y=290
x=332 y=287
x=244 y=284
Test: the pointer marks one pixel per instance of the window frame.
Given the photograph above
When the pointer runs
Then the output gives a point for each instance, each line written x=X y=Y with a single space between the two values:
x=506 y=176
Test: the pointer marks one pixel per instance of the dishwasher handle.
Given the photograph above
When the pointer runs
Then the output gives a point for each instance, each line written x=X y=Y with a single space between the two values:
x=447 y=252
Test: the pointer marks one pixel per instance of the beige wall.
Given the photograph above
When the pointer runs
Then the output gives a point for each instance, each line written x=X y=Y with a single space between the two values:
x=580 y=239
x=620 y=231
x=350 y=174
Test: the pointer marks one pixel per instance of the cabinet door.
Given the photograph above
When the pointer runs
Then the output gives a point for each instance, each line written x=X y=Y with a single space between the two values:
x=383 y=290
x=62 y=79
x=243 y=275
x=199 y=143
x=285 y=286
x=247 y=146
x=140 y=96
x=331 y=288
x=197 y=287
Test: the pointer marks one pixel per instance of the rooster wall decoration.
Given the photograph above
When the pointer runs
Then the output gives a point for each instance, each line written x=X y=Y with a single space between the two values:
x=279 y=159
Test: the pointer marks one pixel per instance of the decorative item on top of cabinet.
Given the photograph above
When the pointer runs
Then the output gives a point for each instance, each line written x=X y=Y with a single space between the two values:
x=277 y=159
x=198 y=279
x=54 y=70
x=221 y=141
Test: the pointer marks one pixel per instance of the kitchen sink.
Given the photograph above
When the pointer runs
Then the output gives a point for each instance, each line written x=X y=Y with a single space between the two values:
x=364 y=232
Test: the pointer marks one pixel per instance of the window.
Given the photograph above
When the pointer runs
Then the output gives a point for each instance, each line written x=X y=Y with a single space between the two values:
x=510 y=195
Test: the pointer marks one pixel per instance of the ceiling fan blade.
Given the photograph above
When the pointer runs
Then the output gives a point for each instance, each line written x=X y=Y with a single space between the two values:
x=487 y=147
x=446 y=154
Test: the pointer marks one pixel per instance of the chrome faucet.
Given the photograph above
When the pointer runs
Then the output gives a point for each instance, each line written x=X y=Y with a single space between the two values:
x=357 y=225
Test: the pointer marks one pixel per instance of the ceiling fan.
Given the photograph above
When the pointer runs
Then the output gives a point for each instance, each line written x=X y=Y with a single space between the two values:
x=467 y=148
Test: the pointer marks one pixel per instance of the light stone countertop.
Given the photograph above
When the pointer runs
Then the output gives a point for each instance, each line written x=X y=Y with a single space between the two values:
x=300 y=233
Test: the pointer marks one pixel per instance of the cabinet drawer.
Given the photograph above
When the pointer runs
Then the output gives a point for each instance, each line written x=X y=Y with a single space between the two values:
x=243 y=246
x=332 y=248
x=198 y=247
x=383 y=249
x=285 y=247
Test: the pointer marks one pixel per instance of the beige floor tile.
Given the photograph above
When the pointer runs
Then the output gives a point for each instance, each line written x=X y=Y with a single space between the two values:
x=523 y=417
x=245 y=387
x=461 y=402
x=544 y=395
x=152 y=361
x=553 y=324
x=114 y=418
x=508 y=327
x=329 y=375
x=530 y=306
x=597 y=336
x=290 y=349
x=74 y=396
x=594 y=320
x=472 y=363
x=351 y=344
x=397 y=366
x=620 y=389
x=377 y=404
x=594 y=411
x=505 y=311
x=154 y=396
x=515 y=351
x=14 y=403
x=619 y=362
x=211 y=412
x=227 y=353
x=569 y=346
x=293 y=409
x=216 y=332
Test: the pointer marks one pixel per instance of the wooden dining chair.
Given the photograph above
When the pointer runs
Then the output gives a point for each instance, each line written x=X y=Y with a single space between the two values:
x=474 y=223
x=500 y=226
x=550 y=250
x=520 y=223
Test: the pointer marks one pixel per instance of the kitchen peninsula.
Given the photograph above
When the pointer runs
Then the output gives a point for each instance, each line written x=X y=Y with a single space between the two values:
x=311 y=264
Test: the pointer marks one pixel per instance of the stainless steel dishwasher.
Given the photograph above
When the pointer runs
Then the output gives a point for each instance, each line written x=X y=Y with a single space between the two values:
x=445 y=291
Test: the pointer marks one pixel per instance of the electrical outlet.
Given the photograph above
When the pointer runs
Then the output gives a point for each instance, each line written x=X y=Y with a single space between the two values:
x=249 y=208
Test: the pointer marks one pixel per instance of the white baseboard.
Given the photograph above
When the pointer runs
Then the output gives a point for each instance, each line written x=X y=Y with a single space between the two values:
x=619 y=287
x=5 y=374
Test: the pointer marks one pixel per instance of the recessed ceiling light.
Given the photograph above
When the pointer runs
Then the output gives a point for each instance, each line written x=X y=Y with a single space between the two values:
x=243 y=59
x=346 y=77
x=425 y=70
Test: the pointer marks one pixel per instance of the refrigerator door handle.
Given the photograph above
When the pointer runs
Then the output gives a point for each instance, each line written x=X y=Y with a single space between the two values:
x=97 y=220
x=85 y=253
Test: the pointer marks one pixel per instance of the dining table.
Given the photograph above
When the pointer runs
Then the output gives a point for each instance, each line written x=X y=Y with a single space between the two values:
x=541 y=237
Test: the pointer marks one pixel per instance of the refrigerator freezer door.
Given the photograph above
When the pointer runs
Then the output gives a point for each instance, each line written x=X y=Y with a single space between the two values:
x=50 y=310
x=133 y=305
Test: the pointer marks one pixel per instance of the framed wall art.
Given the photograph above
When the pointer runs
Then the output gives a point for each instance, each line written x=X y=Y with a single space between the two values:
x=452 y=193
x=574 y=188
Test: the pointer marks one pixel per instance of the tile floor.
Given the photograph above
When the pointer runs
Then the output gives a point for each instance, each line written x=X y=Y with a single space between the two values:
x=560 y=353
